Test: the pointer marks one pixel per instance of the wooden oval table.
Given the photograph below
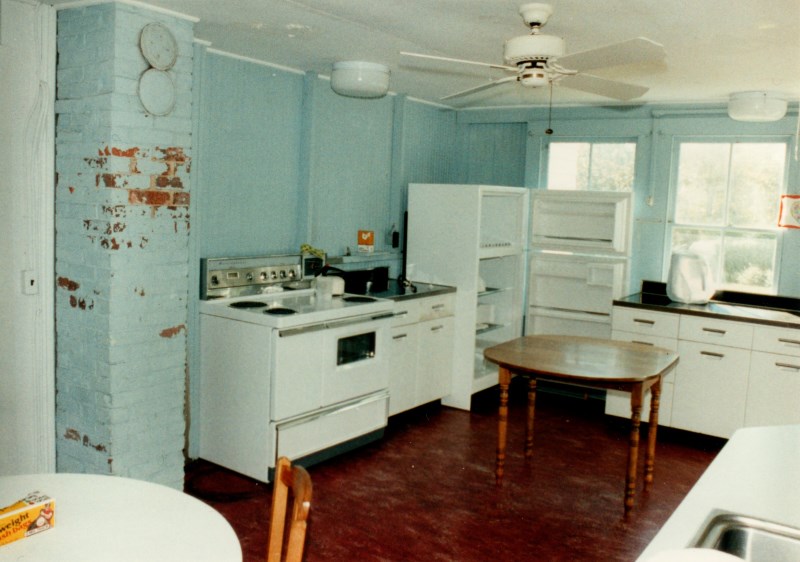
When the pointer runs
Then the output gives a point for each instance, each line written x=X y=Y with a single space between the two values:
x=111 y=518
x=592 y=362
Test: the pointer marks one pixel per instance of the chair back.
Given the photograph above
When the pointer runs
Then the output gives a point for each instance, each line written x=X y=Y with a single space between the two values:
x=295 y=483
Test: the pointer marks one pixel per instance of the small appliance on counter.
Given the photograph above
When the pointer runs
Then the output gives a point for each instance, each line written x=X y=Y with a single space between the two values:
x=690 y=279
x=360 y=281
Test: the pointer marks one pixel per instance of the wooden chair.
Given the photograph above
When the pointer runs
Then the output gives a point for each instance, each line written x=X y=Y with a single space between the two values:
x=292 y=480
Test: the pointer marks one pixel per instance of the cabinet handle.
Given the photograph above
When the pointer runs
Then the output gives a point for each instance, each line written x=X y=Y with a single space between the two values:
x=642 y=342
x=712 y=354
x=437 y=328
x=715 y=331
x=790 y=342
x=401 y=313
x=399 y=336
x=437 y=307
x=788 y=366
x=644 y=321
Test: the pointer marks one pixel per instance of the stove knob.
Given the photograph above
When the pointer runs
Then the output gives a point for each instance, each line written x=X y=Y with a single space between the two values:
x=249 y=276
x=214 y=280
x=283 y=274
x=273 y=275
x=291 y=274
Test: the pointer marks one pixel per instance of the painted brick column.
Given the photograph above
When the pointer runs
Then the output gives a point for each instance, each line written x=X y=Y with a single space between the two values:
x=122 y=229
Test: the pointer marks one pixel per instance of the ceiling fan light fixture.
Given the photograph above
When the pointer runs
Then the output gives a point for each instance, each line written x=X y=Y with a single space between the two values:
x=359 y=79
x=756 y=106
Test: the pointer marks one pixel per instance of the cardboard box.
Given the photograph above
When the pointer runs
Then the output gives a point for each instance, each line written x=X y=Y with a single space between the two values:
x=366 y=241
x=32 y=514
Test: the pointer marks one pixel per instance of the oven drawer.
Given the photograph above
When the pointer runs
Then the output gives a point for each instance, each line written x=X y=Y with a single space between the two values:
x=315 y=432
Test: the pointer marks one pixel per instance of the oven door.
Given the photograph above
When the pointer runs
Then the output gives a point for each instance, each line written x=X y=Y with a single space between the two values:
x=355 y=360
x=323 y=364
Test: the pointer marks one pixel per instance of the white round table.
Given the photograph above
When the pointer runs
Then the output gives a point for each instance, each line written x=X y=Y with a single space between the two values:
x=110 y=518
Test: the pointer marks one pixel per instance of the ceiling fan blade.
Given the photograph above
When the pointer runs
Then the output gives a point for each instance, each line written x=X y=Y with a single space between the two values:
x=603 y=87
x=485 y=86
x=461 y=61
x=631 y=51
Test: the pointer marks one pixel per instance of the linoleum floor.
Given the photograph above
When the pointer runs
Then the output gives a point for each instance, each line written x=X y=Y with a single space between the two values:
x=426 y=491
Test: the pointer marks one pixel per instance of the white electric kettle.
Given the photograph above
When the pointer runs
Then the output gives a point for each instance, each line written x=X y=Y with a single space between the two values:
x=690 y=279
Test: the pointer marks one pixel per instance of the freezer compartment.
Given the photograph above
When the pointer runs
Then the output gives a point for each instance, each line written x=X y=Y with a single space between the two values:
x=587 y=221
x=576 y=283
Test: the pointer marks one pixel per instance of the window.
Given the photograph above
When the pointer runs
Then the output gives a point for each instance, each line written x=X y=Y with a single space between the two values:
x=726 y=208
x=597 y=166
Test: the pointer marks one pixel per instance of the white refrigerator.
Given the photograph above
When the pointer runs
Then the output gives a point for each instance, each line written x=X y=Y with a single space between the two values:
x=578 y=260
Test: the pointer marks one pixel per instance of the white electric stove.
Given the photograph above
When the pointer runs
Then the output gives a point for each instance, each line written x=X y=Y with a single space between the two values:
x=285 y=371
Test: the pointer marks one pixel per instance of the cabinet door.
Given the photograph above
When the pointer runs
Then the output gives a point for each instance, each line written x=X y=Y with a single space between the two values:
x=435 y=370
x=710 y=388
x=618 y=402
x=773 y=391
x=403 y=359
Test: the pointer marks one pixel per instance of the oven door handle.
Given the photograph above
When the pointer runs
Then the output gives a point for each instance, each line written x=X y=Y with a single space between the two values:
x=334 y=324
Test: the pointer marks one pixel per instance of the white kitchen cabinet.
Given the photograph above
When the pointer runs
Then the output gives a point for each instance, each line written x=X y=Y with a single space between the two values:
x=471 y=237
x=421 y=354
x=773 y=392
x=730 y=374
x=710 y=388
x=645 y=327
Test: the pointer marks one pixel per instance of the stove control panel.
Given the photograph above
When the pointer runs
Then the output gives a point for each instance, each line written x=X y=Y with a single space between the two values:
x=240 y=276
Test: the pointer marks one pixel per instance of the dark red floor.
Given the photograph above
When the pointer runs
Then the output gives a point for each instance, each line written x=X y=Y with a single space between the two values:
x=426 y=491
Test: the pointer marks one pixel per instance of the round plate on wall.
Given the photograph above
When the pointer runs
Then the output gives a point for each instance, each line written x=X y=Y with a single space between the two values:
x=158 y=46
x=157 y=92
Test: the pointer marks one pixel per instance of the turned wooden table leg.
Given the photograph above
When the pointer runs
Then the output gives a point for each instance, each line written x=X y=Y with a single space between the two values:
x=650 y=459
x=531 y=411
x=502 y=423
x=633 y=450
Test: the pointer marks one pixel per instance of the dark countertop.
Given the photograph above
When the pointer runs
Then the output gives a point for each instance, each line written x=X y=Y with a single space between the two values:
x=726 y=305
x=397 y=293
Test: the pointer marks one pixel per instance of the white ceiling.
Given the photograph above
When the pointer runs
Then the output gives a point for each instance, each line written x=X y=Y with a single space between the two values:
x=714 y=47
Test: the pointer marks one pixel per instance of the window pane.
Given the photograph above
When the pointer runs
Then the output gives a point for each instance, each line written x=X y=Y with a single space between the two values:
x=568 y=165
x=702 y=183
x=749 y=259
x=756 y=183
x=612 y=166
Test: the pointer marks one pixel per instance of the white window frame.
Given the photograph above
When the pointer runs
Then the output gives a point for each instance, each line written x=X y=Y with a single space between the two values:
x=545 y=161
x=677 y=140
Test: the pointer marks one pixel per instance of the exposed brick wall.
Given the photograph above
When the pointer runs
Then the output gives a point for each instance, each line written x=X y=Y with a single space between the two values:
x=122 y=229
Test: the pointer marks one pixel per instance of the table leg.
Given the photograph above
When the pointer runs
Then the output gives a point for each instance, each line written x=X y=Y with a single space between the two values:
x=650 y=459
x=504 y=376
x=633 y=450
x=531 y=411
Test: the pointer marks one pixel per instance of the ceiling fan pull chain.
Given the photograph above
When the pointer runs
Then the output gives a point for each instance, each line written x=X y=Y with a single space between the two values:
x=549 y=130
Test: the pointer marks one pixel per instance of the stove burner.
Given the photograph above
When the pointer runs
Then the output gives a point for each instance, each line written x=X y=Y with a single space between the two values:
x=247 y=304
x=358 y=298
x=278 y=310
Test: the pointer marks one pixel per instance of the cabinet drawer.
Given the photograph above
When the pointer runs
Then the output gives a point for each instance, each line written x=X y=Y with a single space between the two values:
x=646 y=339
x=437 y=306
x=717 y=332
x=777 y=340
x=406 y=312
x=643 y=321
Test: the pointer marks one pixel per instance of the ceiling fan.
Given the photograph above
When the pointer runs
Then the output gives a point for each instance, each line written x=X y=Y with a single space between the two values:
x=538 y=60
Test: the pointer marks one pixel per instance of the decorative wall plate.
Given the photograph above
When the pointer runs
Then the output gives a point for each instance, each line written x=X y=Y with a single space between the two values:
x=158 y=46
x=157 y=92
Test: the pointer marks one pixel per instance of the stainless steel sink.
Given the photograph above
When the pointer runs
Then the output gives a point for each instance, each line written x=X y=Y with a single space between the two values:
x=750 y=538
